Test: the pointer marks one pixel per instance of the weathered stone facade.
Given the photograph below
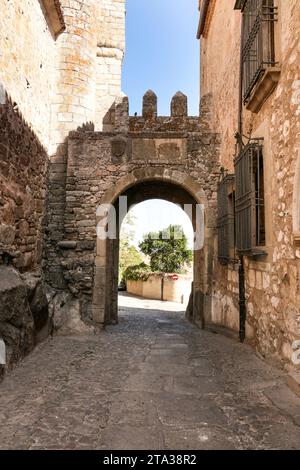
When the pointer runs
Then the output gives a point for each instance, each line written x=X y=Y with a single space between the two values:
x=28 y=61
x=23 y=165
x=48 y=63
x=175 y=158
x=272 y=283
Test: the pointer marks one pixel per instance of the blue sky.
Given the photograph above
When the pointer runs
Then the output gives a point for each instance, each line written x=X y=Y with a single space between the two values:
x=162 y=52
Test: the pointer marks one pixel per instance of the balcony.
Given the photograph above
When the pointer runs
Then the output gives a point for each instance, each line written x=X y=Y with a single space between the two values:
x=261 y=71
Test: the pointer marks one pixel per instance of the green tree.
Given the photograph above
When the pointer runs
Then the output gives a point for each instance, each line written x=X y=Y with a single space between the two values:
x=128 y=255
x=140 y=272
x=168 y=249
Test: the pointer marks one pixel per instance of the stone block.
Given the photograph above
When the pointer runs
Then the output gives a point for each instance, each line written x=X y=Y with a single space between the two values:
x=67 y=320
x=7 y=234
x=266 y=280
x=251 y=278
x=67 y=244
x=258 y=280
x=16 y=320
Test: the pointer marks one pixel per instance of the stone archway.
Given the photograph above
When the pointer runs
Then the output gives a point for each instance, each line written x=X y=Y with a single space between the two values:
x=178 y=153
x=138 y=186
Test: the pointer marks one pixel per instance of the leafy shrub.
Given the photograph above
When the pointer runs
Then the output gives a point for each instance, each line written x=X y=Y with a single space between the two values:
x=139 y=272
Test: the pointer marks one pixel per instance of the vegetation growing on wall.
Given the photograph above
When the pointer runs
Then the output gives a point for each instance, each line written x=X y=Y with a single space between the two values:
x=129 y=257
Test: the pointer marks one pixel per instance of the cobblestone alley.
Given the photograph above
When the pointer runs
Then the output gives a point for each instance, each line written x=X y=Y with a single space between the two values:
x=152 y=382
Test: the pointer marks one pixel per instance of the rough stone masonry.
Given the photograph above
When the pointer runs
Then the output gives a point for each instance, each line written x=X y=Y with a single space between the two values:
x=60 y=64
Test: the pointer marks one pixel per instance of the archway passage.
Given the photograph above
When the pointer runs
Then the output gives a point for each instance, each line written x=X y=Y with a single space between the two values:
x=171 y=157
x=173 y=190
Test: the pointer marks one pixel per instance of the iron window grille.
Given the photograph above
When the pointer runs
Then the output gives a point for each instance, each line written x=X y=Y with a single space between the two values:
x=258 y=43
x=249 y=200
x=226 y=221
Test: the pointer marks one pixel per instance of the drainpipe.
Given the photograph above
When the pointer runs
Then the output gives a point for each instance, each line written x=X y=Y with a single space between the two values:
x=242 y=288
x=240 y=110
x=242 y=300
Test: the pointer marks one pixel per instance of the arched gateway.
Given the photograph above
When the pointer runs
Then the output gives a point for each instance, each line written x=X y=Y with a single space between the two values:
x=172 y=158
x=138 y=186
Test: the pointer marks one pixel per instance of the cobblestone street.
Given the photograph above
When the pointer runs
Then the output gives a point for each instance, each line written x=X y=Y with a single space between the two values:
x=152 y=382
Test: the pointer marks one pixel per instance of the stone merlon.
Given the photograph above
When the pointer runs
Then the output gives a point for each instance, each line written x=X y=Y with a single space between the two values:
x=149 y=104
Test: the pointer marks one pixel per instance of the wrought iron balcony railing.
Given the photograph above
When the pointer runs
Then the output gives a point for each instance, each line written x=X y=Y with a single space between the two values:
x=249 y=199
x=258 y=43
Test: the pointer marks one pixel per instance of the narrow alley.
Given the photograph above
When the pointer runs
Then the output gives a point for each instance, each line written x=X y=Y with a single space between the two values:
x=153 y=381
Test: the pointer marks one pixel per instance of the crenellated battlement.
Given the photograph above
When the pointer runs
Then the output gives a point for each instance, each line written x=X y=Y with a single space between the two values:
x=178 y=120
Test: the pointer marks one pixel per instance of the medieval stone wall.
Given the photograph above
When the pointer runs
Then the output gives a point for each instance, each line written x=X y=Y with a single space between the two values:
x=97 y=161
x=28 y=80
x=23 y=171
x=74 y=101
x=272 y=285
x=48 y=76
x=27 y=62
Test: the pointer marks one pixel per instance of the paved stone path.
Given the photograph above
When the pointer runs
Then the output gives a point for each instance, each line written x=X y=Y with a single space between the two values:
x=152 y=382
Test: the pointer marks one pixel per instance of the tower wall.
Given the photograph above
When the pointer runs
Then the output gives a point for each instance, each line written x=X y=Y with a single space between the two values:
x=110 y=53
x=74 y=103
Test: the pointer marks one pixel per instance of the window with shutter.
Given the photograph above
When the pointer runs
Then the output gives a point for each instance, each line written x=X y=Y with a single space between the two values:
x=226 y=225
x=249 y=202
